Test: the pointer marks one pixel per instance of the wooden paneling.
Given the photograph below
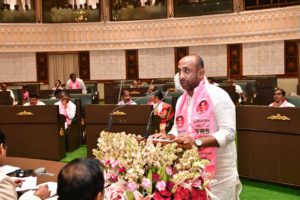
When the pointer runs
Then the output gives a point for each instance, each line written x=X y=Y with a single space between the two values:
x=42 y=67
x=84 y=65
x=234 y=60
x=291 y=57
x=132 y=64
x=180 y=52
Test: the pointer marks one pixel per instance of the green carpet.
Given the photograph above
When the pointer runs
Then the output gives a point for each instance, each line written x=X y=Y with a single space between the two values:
x=252 y=190
x=78 y=153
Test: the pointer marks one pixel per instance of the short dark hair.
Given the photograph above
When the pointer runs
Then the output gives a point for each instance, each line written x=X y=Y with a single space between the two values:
x=158 y=94
x=124 y=91
x=81 y=179
x=33 y=95
x=72 y=74
x=2 y=137
x=281 y=90
x=59 y=81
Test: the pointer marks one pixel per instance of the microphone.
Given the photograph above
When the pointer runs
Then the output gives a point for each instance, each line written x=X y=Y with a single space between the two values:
x=151 y=114
x=120 y=106
x=42 y=172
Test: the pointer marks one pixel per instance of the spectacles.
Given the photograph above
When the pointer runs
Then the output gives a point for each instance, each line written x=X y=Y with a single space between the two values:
x=277 y=94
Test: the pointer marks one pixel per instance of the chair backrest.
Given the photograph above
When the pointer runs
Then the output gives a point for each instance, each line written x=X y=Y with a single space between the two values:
x=294 y=100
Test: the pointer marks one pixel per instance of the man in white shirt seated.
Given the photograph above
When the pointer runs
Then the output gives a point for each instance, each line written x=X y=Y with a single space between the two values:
x=4 y=88
x=34 y=101
x=280 y=100
x=76 y=83
x=126 y=98
x=66 y=108
x=239 y=90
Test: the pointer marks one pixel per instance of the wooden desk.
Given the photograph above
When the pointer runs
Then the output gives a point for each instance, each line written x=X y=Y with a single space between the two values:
x=34 y=131
x=269 y=147
x=28 y=163
x=135 y=121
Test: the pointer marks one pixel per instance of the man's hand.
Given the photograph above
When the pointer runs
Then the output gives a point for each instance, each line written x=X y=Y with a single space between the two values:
x=65 y=104
x=161 y=136
x=18 y=182
x=43 y=192
x=185 y=139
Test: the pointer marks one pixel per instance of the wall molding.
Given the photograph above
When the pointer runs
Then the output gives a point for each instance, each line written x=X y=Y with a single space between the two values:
x=243 y=27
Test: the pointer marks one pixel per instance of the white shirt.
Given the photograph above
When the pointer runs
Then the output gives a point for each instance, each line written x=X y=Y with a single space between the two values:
x=239 y=90
x=39 y=103
x=177 y=84
x=284 y=104
x=120 y=103
x=228 y=184
x=81 y=83
x=68 y=112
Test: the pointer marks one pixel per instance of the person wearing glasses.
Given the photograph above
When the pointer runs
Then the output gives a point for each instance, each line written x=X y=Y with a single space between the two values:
x=8 y=185
x=280 y=100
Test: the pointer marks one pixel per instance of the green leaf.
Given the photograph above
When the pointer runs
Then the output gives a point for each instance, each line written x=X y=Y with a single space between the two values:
x=129 y=195
x=149 y=176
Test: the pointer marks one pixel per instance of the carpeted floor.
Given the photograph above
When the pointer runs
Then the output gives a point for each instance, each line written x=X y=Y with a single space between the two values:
x=252 y=190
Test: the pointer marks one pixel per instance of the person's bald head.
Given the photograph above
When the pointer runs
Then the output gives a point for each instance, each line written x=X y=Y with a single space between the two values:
x=191 y=72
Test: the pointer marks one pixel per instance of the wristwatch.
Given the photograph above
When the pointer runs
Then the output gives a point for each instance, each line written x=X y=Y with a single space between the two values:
x=198 y=142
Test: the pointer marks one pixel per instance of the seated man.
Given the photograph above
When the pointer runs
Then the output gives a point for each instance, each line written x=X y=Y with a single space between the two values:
x=162 y=109
x=279 y=99
x=238 y=89
x=126 y=98
x=82 y=178
x=8 y=185
x=76 y=83
x=34 y=101
x=66 y=108
x=4 y=88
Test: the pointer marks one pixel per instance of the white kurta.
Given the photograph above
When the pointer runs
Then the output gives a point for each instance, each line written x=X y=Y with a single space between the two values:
x=81 y=83
x=228 y=185
x=284 y=104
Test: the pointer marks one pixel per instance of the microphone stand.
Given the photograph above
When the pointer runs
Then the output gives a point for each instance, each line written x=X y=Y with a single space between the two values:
x=151 y=114
x=120 y=106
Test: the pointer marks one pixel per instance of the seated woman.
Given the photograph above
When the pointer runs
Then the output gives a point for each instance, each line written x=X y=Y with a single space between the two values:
x=161 y=109
x=25 y=95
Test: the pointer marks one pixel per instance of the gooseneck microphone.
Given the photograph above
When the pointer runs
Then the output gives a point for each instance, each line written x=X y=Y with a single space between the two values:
x=151 y=114
x=120 y=106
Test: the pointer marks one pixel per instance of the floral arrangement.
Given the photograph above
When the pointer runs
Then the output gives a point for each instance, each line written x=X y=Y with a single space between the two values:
x=137 y=169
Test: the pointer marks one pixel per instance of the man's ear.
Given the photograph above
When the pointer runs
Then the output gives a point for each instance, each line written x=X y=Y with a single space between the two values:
x=201 y=72
x=100 y=196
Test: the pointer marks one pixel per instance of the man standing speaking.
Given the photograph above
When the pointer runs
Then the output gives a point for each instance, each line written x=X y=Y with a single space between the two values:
x=211 y=130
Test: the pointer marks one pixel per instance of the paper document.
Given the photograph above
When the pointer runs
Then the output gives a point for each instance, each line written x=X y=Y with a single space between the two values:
x=7 y=169
x=28 y=184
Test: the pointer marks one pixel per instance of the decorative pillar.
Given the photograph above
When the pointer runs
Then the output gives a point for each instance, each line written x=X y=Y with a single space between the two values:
x=238 y=6
x=38 y=11
x=170 y=8
x=105 y=12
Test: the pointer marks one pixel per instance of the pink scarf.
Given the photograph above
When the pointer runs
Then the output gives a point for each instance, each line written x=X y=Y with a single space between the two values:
x=202 y=121
x=75 y=85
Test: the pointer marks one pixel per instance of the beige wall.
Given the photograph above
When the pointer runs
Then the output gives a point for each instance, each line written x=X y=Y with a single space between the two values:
x=261 y=32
